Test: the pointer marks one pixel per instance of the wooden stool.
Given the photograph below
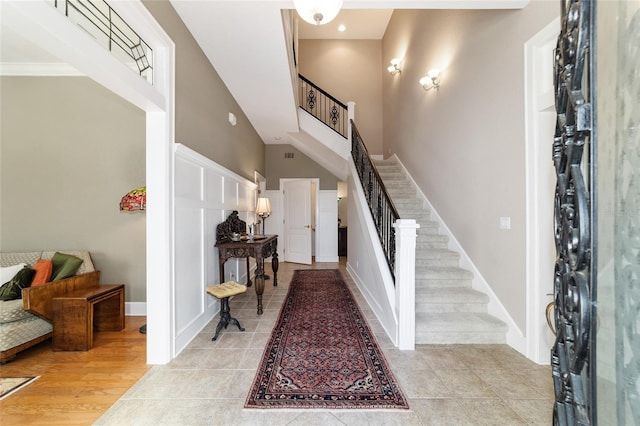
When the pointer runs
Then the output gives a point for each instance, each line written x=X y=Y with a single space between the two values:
x=223 y=292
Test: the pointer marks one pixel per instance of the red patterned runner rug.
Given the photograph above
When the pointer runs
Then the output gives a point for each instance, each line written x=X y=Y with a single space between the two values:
x=322 y=353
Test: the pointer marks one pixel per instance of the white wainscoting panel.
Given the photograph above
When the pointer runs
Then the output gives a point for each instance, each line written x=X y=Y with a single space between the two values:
x=213 y=190
x=230 y=194
x=205 y=194
x=189 y=299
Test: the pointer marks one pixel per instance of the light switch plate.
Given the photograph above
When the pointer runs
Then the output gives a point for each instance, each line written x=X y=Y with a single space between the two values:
x=505 y=222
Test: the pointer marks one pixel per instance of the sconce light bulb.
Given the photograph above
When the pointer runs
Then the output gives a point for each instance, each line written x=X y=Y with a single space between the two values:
x=430 y=81
x=394 y=68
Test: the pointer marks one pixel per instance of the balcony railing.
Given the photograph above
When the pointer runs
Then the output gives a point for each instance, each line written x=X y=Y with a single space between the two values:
x=323 y=106
x=382 y=209
x=102 y=23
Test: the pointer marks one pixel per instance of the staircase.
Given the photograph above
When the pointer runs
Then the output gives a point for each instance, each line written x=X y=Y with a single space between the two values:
x=448 y=310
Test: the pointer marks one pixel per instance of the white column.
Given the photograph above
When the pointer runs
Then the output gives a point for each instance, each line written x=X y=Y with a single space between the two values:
x=351 y=115
x=405 y=274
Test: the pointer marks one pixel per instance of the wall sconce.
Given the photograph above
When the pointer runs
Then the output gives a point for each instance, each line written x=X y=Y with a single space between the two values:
x=394 y=68
x=431 y=81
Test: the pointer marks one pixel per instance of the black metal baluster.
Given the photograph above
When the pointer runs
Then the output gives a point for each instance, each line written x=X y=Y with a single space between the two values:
x=383 y=212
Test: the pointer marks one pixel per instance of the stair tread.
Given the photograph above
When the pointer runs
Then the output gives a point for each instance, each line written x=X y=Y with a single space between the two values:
x=457 y=321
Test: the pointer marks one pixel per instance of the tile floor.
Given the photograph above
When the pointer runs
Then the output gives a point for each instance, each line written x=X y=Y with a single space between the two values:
x=445 y=384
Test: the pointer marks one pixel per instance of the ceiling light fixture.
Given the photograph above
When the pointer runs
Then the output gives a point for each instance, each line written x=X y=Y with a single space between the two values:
x=431 y=81
x=394 y=68
x=342 y=28
x=318 y=12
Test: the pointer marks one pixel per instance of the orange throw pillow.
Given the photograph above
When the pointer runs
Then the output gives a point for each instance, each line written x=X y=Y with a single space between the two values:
x=43 y=270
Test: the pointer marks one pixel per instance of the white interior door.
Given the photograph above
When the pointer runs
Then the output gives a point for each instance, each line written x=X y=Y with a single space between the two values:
x=297 y=221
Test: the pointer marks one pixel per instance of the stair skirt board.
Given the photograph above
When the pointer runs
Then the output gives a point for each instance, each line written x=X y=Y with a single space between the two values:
x=454 y=304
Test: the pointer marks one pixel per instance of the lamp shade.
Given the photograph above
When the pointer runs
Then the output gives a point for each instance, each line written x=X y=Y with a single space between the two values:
x=318 y=12
x=264 y=207
x=134 y=200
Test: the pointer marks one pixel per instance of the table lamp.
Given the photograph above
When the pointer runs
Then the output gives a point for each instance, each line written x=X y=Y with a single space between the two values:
x=263 y=210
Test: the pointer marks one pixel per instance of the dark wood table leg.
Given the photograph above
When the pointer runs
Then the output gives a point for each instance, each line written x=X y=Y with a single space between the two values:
x=274 y=266
x=248 y=274
x=259 y=281
x=221 y=268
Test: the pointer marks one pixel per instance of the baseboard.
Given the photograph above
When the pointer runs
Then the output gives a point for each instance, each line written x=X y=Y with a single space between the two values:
x=330 y=259
x=135 y=309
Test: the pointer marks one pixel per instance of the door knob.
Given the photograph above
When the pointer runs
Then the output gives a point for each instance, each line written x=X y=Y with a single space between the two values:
x=307 y=226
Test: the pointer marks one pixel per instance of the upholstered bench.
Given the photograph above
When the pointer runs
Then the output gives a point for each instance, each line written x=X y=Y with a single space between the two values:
x=223 y=292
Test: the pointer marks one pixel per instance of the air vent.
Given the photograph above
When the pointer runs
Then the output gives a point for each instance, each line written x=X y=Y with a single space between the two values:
x=288 y=155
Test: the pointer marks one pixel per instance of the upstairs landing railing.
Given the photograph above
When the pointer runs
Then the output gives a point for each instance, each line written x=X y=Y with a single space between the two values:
x=104 y=24
x=333 y=113
x=383 y=211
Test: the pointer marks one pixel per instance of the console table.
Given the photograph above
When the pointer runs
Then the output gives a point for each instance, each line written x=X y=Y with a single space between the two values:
x=260 y=247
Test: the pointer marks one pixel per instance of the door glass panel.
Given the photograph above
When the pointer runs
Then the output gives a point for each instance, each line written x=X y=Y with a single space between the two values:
x=618 y=212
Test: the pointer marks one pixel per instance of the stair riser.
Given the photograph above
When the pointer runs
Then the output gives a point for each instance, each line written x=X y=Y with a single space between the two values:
x=402 y=192
x=391 y=175
x=427 y=230
x=419 y=216
x=409 y=204
x=441 y=283
x=424 y=222
x=450 y=307
x=435 y=244
x=400 y=184
x=443 y=262
x=397 y=181
x=427 y=273
x=437 y=254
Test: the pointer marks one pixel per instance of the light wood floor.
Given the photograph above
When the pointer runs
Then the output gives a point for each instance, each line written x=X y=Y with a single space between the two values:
x=75 y=388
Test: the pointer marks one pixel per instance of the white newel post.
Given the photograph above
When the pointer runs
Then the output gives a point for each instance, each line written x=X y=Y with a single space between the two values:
x=351 y=115
x=406 y=282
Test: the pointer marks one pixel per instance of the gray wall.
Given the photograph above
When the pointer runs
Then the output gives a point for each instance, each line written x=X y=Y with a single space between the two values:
x=350 y=70
x=70 y=150
x=300 y=166
x=203 y=103
x=464 y=144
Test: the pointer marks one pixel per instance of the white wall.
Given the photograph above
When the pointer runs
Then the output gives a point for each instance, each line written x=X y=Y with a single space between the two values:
x=327 y=227
x=205 y=194
x=366 y=262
